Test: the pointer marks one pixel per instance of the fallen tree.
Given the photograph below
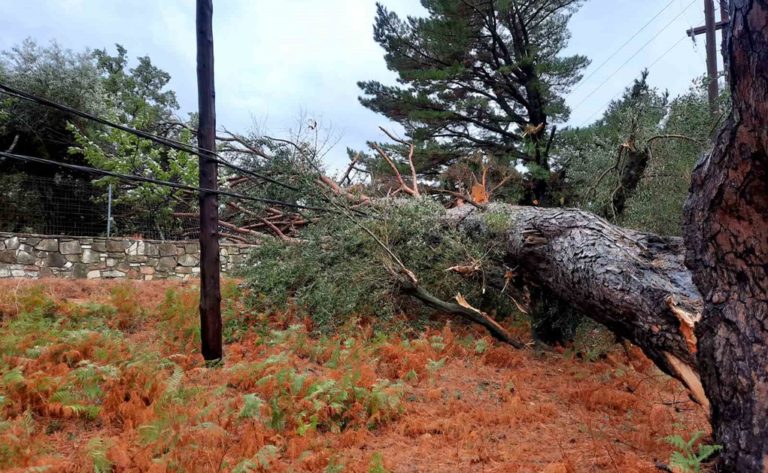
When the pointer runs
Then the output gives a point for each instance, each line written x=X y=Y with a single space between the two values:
x=634 y=283
x=637 y=284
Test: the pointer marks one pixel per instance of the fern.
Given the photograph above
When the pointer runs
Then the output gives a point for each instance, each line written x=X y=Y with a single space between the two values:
x=88 y=412
x=97 y=450
x=15 y=376
x=266 y=455
x=259 y=462
x=435 y=365
x=245 y=466
x=174 y=382
x=333 y=466
x=251 y=406
x=377 y=464
x=685 y=458
x=437 y=343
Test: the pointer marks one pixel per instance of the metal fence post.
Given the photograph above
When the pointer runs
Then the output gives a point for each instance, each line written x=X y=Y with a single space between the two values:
x=109 y=210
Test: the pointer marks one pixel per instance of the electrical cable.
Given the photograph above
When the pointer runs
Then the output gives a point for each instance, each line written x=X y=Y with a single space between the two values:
x=174 y=144
x=651 y=65
x=175 y=185
x=594 y=71
x=596 y=89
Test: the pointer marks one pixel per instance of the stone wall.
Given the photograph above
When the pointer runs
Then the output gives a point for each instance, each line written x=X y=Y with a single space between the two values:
x=38 y=256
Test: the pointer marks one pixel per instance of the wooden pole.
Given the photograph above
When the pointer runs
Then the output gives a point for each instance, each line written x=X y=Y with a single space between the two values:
x=711 y=40
x=725 y=18
x=709 y=30
x=210 y=292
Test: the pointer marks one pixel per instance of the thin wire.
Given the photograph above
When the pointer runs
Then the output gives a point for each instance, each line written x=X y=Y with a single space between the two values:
x=651 y=65
x=171 y=143
x=585 y=79
x=175 y=185
x=596 y=89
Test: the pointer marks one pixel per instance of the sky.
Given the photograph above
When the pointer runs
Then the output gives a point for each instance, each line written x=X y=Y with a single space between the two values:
x=278 y=61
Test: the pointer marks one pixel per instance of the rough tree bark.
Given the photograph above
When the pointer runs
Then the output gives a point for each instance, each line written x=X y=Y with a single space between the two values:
x=726 y=232
x=635 y=283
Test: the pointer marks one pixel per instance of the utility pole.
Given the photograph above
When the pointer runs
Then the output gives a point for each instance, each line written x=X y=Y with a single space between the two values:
x=725 y=18
x=709 y=29
x=210 y=291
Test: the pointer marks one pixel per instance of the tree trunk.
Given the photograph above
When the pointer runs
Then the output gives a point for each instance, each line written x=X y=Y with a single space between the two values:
x=726 y=232
x=634 y=283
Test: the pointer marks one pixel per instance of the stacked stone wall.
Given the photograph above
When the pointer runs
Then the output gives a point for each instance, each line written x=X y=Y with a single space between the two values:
x=38 y=256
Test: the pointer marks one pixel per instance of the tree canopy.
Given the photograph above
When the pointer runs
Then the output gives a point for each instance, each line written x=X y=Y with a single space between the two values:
x=477 y=75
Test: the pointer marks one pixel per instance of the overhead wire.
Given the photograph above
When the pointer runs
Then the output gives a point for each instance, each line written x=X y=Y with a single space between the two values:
x=171 y=143
x=175 y=185
x=649 y=66
x=620 y=48
x=645 y=45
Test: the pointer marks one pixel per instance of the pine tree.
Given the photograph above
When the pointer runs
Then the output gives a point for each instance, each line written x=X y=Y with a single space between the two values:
x=479 y=75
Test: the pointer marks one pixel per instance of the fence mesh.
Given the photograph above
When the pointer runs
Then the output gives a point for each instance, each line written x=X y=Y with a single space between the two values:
x=75 y=206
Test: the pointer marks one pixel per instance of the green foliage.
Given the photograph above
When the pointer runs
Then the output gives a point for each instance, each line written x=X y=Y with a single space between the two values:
x=686 y=458
x=104 y=85
x=377 y=464
x=57 y=74
x=592 y=341
x=476 y=76
x=645 y=133
x=341 y=272
x=97 y=450
x=137 y=97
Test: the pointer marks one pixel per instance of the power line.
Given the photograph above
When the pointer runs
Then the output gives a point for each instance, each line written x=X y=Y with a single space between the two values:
x=171 y=143
x=591 y=74
x=611 y=76
x=175 y=185
x=650 y=66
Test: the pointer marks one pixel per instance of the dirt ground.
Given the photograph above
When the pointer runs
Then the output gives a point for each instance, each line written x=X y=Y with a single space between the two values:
x=137 y=397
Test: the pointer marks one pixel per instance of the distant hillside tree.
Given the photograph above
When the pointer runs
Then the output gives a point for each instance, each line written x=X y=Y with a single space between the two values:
x=479 y=75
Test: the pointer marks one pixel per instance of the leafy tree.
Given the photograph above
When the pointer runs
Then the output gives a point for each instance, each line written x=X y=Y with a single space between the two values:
x=138 y=97
x=104 y=85
x=58 y=74
x=65 y=77
x=633 y=165
x=478 y=75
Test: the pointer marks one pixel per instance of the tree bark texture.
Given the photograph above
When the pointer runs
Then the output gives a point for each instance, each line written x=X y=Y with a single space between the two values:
x=726 y=232
x=635 y=283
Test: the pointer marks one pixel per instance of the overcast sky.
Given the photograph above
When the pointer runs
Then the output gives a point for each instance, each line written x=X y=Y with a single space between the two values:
x=275 y=59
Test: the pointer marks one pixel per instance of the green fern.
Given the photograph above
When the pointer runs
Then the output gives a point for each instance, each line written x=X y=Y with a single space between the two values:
x=377 y=464
x=97 y=450
x=251 y=406
x=245 y=466
x=266 y=455
x=435 y=365
x=685 y=458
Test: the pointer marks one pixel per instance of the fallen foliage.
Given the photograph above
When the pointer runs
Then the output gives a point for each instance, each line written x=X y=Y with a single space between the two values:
x=107 y=377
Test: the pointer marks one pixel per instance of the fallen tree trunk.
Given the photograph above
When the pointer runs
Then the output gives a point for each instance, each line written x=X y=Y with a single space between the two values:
x=634 y=283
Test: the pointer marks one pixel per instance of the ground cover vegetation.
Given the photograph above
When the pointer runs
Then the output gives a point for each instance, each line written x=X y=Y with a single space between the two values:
x=104 y=377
